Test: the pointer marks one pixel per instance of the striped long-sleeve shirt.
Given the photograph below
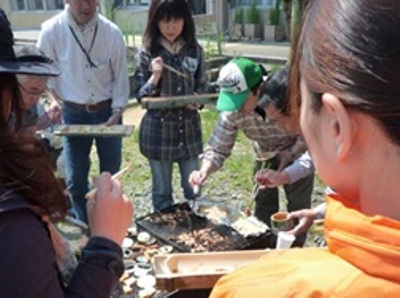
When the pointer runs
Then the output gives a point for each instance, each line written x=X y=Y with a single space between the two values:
x=267 y=136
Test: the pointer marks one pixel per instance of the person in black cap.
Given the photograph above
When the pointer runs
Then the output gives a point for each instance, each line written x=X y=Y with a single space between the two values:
x=33 y=87
x=35 y=260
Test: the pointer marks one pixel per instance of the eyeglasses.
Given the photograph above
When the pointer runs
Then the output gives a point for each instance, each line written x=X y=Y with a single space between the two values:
x=32 y=93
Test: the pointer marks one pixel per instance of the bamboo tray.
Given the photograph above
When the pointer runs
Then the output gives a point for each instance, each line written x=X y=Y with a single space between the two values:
x=94 y=130
x=177 y=101
x=199 y=270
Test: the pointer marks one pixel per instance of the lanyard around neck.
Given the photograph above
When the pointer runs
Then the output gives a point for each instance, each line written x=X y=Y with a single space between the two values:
x=92 y=65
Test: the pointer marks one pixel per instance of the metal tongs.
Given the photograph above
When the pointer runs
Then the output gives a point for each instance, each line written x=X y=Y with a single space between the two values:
x=193 y=207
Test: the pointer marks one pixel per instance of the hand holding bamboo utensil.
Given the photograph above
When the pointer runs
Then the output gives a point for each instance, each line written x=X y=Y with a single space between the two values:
x=170 y=68
x=256 y=189
x=92 y=193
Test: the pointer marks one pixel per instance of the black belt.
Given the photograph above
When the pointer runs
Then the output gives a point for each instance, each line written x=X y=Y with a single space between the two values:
x=91 y=108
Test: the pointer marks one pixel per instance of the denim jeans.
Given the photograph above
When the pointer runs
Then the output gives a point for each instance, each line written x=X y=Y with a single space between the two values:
x=162 y=181
x=77 y=155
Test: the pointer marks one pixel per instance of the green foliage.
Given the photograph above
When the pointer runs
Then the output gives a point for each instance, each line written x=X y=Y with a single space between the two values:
x=238 y=168
x=274 y=68
x=239 y=16
x=128 y=31
x=274 y=13
x=210 y=49
x=253 y=14
x=273 y=16
x=220 y=43
x=213 y=49
x=109 y=10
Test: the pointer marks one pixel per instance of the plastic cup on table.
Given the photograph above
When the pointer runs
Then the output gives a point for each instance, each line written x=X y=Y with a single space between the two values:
x=285 y=240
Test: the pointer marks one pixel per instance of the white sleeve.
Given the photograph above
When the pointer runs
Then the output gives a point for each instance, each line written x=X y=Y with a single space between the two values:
x=300 y=168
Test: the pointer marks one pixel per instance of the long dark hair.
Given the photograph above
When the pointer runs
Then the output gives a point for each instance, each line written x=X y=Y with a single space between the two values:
x=168 y=10
x=25 y=166
x=352 y=50
x=11 y=102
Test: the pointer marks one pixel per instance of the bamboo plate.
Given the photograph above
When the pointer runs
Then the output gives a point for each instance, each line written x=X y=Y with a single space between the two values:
x=94 y=130
x=177 y=101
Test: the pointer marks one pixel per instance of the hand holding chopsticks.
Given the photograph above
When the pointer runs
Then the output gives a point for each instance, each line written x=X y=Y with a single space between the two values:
x=110 y=213
x=92 y=193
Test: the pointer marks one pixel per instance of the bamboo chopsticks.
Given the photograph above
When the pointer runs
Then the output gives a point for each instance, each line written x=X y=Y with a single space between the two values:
x=170 y=68
x=91 y=194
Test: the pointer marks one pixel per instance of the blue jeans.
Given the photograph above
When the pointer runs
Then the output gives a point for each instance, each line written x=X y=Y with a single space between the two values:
x=77 y=155
x=162 y=181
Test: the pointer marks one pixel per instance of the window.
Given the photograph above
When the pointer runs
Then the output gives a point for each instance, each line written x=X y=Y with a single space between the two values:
x=33 y=5
x=260 y=3
x=197 y=6
x=59 y=4
x=20 y=5
x=134 y=2
x=39 y=5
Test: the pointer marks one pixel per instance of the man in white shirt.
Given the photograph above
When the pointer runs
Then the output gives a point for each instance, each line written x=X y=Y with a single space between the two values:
x=93 y=87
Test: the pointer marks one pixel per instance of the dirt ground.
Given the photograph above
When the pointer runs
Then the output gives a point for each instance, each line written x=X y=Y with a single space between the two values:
x=133 y=115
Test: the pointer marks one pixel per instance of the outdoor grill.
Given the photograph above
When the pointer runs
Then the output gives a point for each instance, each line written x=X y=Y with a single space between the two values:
x=180 y=227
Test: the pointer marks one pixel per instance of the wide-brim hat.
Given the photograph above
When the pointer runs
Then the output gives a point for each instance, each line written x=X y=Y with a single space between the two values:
x=39 y=65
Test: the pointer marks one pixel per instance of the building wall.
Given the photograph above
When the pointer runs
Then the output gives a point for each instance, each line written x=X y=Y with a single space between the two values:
x=135 y=17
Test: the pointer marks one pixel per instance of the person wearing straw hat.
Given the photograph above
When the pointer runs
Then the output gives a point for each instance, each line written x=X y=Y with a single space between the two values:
x=241 y=82
x=35 y=260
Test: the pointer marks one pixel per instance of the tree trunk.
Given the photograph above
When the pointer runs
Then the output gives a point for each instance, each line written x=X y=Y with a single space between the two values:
x=295 y=25
x=286 y=9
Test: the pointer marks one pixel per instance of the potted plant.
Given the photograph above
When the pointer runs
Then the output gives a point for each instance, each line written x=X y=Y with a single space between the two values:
x=274 y=31
x=238 y=24
x=253 y=27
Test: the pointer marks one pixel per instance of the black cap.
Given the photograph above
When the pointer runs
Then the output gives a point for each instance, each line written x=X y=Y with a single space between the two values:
x=39 y=65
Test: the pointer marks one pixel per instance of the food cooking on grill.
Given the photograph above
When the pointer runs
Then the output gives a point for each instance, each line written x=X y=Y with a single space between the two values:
x=171 y=218
x=200 y=240
x=181 y=228
x=249 y=226
x=213 y=213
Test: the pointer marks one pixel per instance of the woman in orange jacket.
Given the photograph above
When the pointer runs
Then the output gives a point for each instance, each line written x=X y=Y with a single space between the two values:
x=347 y=70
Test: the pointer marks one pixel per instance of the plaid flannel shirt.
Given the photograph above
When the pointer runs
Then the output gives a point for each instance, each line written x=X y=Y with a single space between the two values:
x=175 y=133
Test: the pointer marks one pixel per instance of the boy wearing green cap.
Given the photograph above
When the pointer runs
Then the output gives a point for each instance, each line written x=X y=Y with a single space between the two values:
x=241 y=81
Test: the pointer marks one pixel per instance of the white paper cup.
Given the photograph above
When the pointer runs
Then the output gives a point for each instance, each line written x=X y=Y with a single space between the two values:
x=285 y=240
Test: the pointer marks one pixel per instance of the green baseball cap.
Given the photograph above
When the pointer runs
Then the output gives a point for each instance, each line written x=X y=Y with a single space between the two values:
x=236 y=79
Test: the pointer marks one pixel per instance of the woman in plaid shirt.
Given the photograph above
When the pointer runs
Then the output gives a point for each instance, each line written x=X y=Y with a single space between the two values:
x=170 y=135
